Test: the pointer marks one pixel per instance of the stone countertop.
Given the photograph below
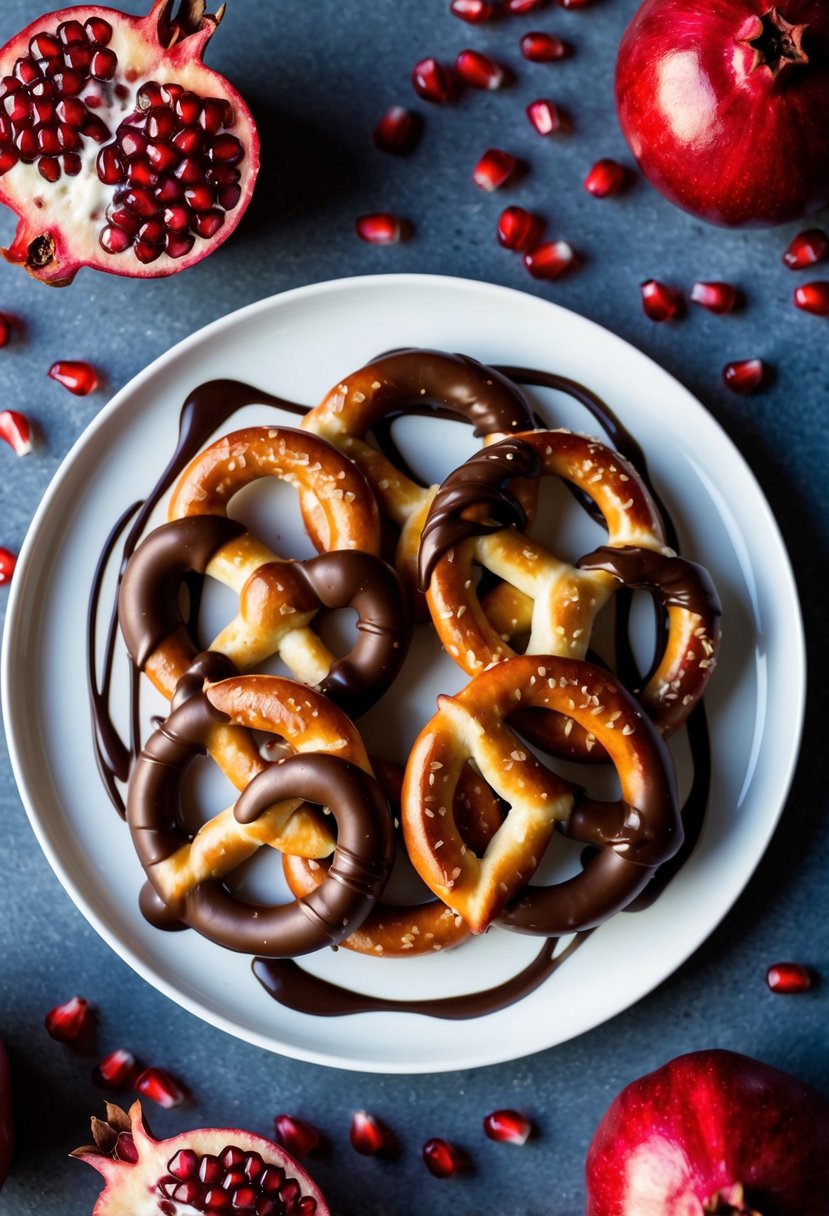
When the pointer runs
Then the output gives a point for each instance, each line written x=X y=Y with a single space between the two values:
x=317 y=77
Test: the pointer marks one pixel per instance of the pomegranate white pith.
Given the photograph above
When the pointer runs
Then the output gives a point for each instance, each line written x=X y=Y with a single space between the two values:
x=200 y=1171
x=153 y=209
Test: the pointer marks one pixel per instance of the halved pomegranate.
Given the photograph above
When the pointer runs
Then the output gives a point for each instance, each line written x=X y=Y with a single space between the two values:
x=211 y=1170
x=119 y=149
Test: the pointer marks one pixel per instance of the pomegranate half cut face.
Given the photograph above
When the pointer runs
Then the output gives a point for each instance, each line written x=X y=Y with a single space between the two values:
x=119 y=149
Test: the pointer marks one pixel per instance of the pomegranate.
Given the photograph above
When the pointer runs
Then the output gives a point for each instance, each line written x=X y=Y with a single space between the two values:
x=119 y=149
x=723 y=105
x=210 y=1170
x=711 y=1132
x=6 y=1129
x=789 y=978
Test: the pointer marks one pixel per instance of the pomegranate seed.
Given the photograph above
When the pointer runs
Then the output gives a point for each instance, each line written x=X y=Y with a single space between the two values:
x=607 y=177
x=162 y=157
x=518 y=229
x=170 y=93
x=806 y=249
x=295 y=1135
x=157 y=1085
x=229 y=197
x=472 y=11
x=397 y=132
x=208 y=222
x=199 y=198
x=71 y=111
x=366 y=1135
x=177 y=219
x=719 y=298
x=517 y=7
x=109 y=166
x=94 y=128
x=72 y=164
x=550 y=260
x=789 y=978
x=744 y=376
x=147 y=253
x=543 y=48
x=49 y=168
x=216 y=1200
x=226 y=150
x=507 y=1126
x=545 y=116
x=188 y=108
x=161 y=123
x=6 y=325
x=272 y=1178
x=71 y=31
x=494 y=169
x=184 y=1164
x=44 y=46
x=190 y=172
x=660 y=302
x=8 y=159
x=98 y=31
x=118 y=1070
x=67 y=1022
x=78 y=57
x=178 y=246
x=133 y=143
x=381 y=228
x=8 y=561
x=189 y=141
x=104 y=64
x=80 y=378
x=573 y=3
x=432 y=81
x=441 y=1158
x=213 y=115
x=478 y=70
x=125 y=1149
x=114 y=240
x=168 y=190
x=16 y=431
x=813 y=298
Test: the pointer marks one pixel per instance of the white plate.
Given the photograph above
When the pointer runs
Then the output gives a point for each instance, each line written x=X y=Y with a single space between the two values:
x=298 y=345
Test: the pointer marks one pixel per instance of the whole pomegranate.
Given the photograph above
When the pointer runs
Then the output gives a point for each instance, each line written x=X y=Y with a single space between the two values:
x=6 y=1129
x=119 y=149
x=212 y=1170
x=712 y=1132
x=724 y=104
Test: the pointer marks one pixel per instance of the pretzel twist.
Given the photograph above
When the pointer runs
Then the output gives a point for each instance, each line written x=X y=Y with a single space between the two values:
x=394 y=384
x=330 y=767
x=635 y=834
x=555 y=601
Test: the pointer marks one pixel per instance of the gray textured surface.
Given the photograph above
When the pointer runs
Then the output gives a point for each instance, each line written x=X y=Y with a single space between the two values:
x=318 y=75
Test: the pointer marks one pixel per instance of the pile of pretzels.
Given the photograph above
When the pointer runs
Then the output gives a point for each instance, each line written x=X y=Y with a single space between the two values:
x=476 y=808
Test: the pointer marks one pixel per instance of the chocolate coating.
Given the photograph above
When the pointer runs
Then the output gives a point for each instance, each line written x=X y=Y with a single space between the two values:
x=148 y=601
x=480 y=482
x=676 y=581
x=362 y=860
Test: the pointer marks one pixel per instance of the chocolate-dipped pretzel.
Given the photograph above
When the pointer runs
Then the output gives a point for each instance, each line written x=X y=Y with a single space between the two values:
x=411 y=380
x=330 y=770
x=277 y=598
x=552 y=600
x=635 y=834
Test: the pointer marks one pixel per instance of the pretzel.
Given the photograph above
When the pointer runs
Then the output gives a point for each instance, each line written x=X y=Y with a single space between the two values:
x=330 y=768
x=392 y=385
x=404 y=930
x=634 y=834
x=556 y=602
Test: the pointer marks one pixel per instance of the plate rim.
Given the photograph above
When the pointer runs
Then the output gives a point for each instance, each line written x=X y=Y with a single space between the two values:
x=149 y=972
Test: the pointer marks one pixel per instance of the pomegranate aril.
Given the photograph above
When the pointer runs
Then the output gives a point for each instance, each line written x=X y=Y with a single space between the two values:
x=104 y=64
x=213 y=115
x=380 y=228
x=184 y=1164
x=125 y=1149
x=806 y=249
x=70 y=1020
x=68 y=138
x=441 y=1158
x=149 y=95
x=95 y=128
x=178 y=245
x=606 y=178
x=216 y=1200
x=114 y=240
x=18 y=107
x=366 y=1135
x=397 y=132
x=72 y=164
x=295 y=1135
x=289 y=1194
x=168 y=190
x=132 y=141
x=244 y=1199
x=226 y=150
x=475 y=12
x=70 y=83
x=26 y=143
x=231 y=1157
x=573 y=3
x=233 y=1179
x=200 y=198
x=517 y=7
x=45 y=46
x=254 y=1166
x=98 y=31
x=140 y=172
x=139 y=200
x=272 y=1179
x=121 y=218
x=26 y=71
x=8 y=561
x=265 y=1206
x=190 y=171
x=43 y=89
x=157 y=1085
x=152 y=233
x=550 y=260
x=71 y=111
x=494 y=169
x=545 y=116
x=719 y=298
x=6 y=326
x=813 y=298
x=8 y=159
x=78 y=57
x=16 y=430
x=660 y=302
x=543 y=48
x=479 y=70
x=162 y=157
x=518 y=229
x=507 y=1127
x=147 y=253
x=188 y=108
x=161 y=123
x=744 y=375
x=71 y=31
x=229 y=197
x=118 y=1070
x=49 y=168
x=79 y=377
x=177 y=219
x=789 y=978
x=307 y=1206
x=432 y=81
x=109 y=166
x=188 y=141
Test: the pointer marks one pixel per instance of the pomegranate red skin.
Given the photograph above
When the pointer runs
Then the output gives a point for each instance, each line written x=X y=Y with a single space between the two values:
x=715 y=134
x=179 y=63
x=6 y=1130
x=699 y=1125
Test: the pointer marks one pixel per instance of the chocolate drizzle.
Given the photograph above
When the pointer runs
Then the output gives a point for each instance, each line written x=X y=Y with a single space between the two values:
x=206 y=409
